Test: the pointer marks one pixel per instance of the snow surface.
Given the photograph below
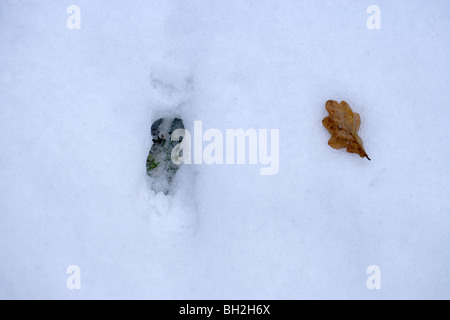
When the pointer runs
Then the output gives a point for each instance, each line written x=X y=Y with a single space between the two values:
x=76 y=108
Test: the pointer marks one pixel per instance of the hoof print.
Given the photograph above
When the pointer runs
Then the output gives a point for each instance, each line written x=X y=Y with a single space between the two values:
x=160 y=166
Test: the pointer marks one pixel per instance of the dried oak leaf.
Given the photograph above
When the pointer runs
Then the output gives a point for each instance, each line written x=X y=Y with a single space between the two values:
x=343 y=125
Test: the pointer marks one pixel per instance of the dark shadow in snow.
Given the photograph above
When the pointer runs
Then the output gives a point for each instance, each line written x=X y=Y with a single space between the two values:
x=160 y=166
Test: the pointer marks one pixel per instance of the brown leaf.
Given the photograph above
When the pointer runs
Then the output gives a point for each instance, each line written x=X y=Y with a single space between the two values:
x=343 y=125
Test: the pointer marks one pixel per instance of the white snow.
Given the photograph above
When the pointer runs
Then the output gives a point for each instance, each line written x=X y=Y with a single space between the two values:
x=76 y=108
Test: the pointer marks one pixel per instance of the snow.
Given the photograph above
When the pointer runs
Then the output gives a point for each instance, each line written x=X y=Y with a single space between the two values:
x=76 y=108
